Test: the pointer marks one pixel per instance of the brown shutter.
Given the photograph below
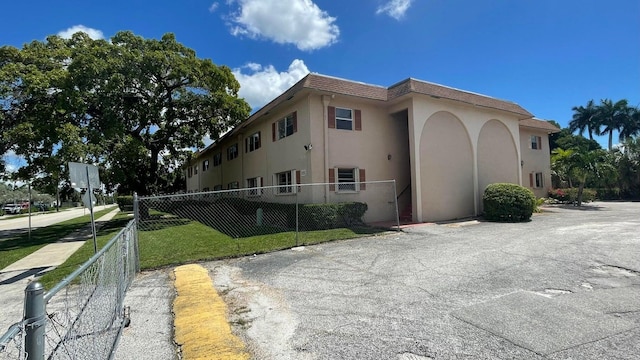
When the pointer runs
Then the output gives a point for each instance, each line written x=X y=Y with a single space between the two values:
x=539 y=143
x=358 y=126
x=332 y=117
x=332 y=179
x=246 y=145
x=294 y=117
x=298 y=180
x=273 y=132
x=530 y=180
x=362 y=180
x=259 y=142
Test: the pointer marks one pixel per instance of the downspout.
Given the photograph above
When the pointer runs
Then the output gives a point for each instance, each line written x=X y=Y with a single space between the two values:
x=325 y=121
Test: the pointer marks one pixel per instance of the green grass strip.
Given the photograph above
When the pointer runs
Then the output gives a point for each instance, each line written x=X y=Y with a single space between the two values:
x=18 y=246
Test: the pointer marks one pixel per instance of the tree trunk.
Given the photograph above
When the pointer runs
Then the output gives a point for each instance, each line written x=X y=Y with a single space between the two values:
x=610 y=139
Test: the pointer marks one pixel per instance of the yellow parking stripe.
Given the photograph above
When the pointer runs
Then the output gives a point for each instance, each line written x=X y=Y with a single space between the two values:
x=200 y=322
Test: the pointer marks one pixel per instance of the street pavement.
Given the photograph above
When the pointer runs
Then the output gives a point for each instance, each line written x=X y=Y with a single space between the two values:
x=9 y=222
x=565 y=285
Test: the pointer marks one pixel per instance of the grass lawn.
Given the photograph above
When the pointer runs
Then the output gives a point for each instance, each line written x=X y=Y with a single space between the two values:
x=192 y=241
x=18 y=246
x=187 y=241
x=106 y=232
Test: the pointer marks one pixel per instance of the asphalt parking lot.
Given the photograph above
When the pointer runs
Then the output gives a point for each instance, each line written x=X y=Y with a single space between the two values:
x=564 y=286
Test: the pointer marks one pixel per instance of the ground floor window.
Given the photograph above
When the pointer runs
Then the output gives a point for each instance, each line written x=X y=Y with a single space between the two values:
x=252 y=183
x=234 y=185
x=217 y=187
x=539 y=180
x=286 y=182
x=346 y=179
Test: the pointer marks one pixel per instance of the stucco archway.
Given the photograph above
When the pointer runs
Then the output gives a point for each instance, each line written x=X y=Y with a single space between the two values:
x=497 y=156
x=446 y=169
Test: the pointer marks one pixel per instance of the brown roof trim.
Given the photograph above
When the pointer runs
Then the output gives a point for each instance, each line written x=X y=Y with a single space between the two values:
x=539 y=124
x=441 y=91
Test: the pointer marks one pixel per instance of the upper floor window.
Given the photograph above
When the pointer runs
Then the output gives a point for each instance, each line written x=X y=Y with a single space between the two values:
x=232 y=151
x=252 y=142
x=536 y=142
x=217 y=159
x=205 y=165
x=195 y=169
x=344 y=119
x=190 y=171
x=284 y=127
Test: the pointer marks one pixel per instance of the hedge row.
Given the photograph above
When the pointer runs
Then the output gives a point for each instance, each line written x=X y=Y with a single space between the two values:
x=570 y=195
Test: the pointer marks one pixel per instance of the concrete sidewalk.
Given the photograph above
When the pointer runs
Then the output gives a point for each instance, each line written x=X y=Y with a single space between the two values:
x=15 y=277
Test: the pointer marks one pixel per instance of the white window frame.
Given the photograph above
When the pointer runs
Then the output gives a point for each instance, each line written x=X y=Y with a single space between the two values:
x=533 y=140
x=345 y=119
x=205 y=165
x=290 y=188
x=255 y=182
x=538 y=184
x=235 y=151
x=253 y=142
x=356 y=180
x=287 y=122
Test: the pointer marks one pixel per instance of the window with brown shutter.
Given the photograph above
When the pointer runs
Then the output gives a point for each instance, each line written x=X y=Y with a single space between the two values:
x=332 y=179
x=362 y=180
x=298 y=179
x=332 y=117
x=358 y=120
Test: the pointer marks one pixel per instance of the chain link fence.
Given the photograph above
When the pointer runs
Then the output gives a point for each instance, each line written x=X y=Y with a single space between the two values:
x=82 y=316
x=294 y=212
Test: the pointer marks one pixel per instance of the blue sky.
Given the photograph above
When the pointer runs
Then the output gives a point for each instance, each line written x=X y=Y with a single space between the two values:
x=546 y=55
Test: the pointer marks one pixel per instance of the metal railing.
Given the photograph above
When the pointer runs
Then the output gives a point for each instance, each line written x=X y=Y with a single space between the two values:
x=82 y=316
x=293 y=212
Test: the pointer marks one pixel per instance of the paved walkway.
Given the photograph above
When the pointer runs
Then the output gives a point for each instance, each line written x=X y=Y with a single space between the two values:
x=15 y=277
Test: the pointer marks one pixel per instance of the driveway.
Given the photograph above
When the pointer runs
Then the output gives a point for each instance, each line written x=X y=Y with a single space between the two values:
x=563 y=286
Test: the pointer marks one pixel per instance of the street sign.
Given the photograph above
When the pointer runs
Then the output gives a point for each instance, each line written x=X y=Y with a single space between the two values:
x=78 y=174
x=88 y=199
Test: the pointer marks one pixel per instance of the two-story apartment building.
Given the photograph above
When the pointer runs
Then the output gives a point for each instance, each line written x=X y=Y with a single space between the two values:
x=442 y=145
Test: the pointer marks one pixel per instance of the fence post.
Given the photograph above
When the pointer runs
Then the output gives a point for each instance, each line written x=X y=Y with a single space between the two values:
x=136 y=214
x=395 y=199
x=297 y=217
x=35 y=320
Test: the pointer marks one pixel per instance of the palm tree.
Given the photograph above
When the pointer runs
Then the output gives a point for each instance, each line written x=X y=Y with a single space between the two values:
x=611 y=116
x=631 y=124
x=584 y=119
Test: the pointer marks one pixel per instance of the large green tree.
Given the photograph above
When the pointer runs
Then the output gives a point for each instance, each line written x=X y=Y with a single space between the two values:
x=134 y=106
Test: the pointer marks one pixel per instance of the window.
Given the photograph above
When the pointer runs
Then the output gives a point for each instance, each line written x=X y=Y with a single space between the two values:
x=284 y=181
x=252 y=143
x=348 y=179
x=232 y=151
x=346 y=176
x=344 y=119
x=190 y=171
x=285 y=127
x=255 y=182
x=217 y=160
x=217 y=187
x=536 y=180
x=205 y=165
x=234 y=185
x=536 y=142
x=195 y=169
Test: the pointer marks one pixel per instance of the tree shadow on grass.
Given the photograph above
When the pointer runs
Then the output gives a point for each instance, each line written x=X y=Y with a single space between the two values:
x=11 y=240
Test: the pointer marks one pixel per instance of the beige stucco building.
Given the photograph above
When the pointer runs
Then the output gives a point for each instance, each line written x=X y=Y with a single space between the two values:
x=442 y=145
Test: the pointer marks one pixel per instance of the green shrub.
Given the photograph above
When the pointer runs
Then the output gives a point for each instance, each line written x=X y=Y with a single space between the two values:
x=608 y=194
x=125 y=202
x=508 y=202
x=331 y=216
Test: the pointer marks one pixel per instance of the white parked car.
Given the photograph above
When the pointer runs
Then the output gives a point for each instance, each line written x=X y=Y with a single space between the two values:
x=12 y=209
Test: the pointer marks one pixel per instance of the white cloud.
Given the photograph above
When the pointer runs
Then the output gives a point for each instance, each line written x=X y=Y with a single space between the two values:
x=262 y=84
x=394 y=8
x=298 y=22
x=95 y=34
x=213 y=7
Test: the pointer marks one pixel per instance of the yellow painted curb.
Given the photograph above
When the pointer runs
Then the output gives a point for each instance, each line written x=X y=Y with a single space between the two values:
x=200 y=322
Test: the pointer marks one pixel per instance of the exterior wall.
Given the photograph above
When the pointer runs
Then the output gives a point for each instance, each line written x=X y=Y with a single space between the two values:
x=535 y=160
x=435 y=207
x=497 y=157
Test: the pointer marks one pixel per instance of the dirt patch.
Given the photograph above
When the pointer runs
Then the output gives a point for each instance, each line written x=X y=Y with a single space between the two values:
x=258 y=313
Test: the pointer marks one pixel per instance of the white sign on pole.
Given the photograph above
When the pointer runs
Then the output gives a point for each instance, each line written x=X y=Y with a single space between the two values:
x=89 y=199
x=78 y=174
